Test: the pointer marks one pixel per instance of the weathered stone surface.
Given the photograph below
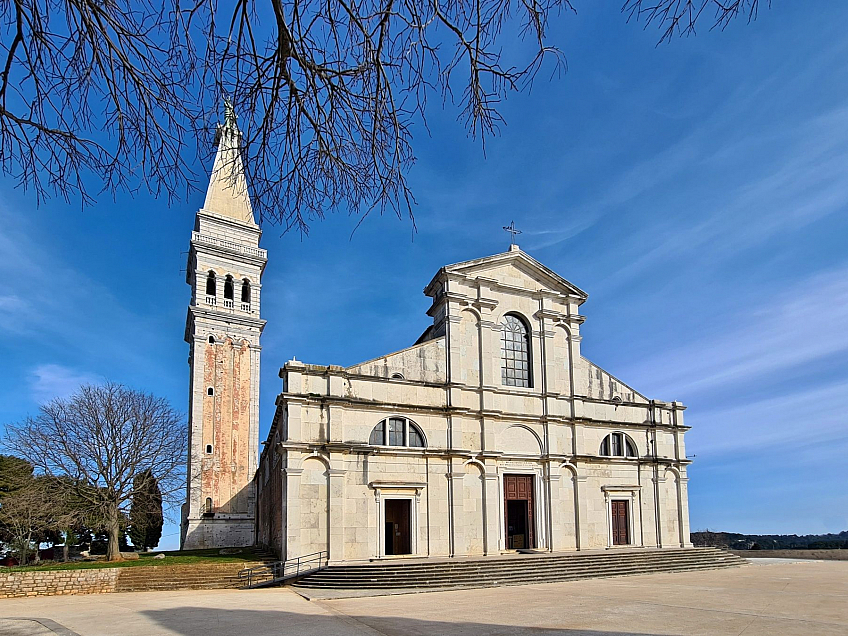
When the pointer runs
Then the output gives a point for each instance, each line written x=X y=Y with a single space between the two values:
x=224 y=270
x=322 y=484
x=47 y=583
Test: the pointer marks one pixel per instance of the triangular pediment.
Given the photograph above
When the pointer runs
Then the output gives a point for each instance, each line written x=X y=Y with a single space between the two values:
x=517 y=268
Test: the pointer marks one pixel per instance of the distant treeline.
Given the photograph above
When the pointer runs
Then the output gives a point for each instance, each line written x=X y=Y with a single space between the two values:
x=736 y=541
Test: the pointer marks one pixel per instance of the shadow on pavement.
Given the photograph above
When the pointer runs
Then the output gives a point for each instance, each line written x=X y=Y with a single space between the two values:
x=209 y=621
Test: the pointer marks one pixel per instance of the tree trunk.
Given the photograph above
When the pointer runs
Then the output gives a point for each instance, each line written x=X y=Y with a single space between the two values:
x=66 y=547
x=24 y=553
x=113 y=548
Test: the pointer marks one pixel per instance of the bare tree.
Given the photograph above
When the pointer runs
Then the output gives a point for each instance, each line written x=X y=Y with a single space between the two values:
x=99 y=439
x=29 y=513
x=328 y=91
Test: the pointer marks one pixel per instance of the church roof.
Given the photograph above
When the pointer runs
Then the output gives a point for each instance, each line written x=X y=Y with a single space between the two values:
x=227 y=194
x=523 y=261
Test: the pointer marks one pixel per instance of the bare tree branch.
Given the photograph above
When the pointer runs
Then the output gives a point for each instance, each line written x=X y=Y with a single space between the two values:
x=98 y=441
x=110 y=96
x=680 y=17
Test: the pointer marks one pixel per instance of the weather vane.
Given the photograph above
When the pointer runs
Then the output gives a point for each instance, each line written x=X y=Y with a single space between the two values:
x=511 y=229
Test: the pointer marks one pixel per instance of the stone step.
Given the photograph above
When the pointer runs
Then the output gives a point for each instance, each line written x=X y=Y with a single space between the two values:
x=549 y=556
x=497 y=581
x=489 y=572
x=486 y=568
x=654 y=554
x=339 y=577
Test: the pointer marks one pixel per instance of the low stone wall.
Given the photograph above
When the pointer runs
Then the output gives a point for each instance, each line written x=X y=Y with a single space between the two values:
x=126 y=579
x=51 y=582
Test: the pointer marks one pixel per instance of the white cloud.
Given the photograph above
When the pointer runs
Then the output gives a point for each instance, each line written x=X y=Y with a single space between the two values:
x=48 y=381
x=816 y=415
x=14 y=312
x=805 y=323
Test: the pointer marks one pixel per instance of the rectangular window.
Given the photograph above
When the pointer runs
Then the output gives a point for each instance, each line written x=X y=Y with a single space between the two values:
x=617 y=450
x=396 y=435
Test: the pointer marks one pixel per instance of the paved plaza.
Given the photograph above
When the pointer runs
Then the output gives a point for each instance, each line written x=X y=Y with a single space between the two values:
x=776 y=597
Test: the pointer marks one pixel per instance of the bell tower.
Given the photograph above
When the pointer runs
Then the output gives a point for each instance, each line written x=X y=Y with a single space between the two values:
x=223 y=327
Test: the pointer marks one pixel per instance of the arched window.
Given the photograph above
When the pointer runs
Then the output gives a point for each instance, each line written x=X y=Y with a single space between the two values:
x=210 y=391
x=397 y=431
x=245 y=291
x=210 y=283
x=515 y=352
x=207 y=508
x=228 y=288
x=618 y=445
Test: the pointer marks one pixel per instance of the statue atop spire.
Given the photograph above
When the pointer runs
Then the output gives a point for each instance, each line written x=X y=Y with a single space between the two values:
x=227 y=193
x=229 y=114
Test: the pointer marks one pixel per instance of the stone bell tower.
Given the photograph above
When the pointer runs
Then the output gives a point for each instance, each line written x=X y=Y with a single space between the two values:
x=223 y=327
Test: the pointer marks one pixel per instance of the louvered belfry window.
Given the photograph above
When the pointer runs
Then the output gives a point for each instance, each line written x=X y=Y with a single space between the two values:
x=515 y=352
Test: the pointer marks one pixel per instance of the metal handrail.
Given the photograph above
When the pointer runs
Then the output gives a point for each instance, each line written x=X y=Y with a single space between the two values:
x=282 y=570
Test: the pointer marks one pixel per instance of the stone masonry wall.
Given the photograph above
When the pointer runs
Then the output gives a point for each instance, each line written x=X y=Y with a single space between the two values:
x=49 y=583
x=126 y=579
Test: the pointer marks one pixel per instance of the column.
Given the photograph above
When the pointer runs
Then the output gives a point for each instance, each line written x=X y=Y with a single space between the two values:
x=337 y=501
x=683 y=511
x=291 y=546
x=492 y=511
x=582 y=514
x=554 y=514
x=457 y=513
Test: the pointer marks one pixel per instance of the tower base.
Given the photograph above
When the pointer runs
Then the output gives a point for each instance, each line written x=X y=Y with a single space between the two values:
x=205 y=533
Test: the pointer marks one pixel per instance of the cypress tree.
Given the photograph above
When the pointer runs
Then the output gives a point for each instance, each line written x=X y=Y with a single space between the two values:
x=146 y=519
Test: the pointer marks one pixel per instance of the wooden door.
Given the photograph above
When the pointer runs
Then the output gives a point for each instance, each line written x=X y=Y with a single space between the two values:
x=620 y=523
x=397 y=527
x=520 y=487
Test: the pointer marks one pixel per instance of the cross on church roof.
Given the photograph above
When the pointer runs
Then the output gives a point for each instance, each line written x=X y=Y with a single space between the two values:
x=511 y=229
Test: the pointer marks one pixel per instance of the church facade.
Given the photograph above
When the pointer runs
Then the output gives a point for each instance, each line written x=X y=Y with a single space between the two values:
x=491 y=433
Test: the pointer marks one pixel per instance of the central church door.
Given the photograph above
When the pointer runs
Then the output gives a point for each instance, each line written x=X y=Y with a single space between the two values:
x=518 y=511
x=398 y=527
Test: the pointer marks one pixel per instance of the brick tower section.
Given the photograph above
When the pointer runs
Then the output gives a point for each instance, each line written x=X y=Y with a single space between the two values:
x=223 y=327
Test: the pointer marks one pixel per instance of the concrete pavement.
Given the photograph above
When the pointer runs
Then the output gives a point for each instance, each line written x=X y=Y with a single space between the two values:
x=786 y=598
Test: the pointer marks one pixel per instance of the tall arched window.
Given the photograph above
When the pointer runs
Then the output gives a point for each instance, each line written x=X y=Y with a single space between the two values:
x=397 y=431
x=515 y=352
x=245 y=291
x=228 y=288
x=210 y=283
x=618 y=445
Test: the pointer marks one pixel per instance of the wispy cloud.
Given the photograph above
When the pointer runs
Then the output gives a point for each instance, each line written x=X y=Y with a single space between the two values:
x=48 y=381
x=817 y=415
x=804 y=323
x=14 y=312
x=49 y=300
x=803 y=183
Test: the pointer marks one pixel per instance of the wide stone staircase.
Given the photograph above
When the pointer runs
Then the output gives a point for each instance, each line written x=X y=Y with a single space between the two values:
x=196 y=576
x=527 y=569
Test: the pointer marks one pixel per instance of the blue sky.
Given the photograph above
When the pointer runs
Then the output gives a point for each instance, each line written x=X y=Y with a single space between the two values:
x=697 y=191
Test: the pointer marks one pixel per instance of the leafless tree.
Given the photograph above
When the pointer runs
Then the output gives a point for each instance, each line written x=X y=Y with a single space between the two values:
x=98 y=440
x=109 y=96
x=29 y=512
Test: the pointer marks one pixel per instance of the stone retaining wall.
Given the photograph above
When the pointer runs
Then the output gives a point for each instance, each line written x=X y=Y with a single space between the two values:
x=48 y=583
x=126 y=579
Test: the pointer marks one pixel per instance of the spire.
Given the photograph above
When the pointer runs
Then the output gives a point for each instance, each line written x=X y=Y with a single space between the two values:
x=227 y=194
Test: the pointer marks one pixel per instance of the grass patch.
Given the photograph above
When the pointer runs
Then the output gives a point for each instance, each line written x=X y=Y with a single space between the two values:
x=172 y=557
